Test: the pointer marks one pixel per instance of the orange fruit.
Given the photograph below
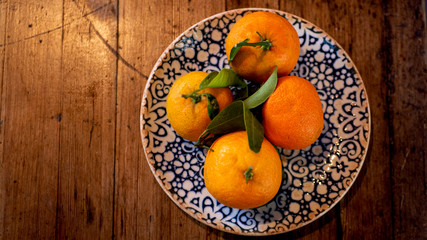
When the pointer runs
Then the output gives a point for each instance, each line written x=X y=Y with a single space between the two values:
x=226 y=164
x=257 y=64
x=187 y=118
x=293 y=115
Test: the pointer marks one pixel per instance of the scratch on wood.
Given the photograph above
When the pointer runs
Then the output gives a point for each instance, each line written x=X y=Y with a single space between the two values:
x=116 y=53
x=121 y=224
x=59 y=117
x=90 y=208
x=91 y=133
x=101 y=220
x=112 y=49
x=404 y=160
x=75 y=193
x=93 y=118
x=339 y=230
x=56 y=28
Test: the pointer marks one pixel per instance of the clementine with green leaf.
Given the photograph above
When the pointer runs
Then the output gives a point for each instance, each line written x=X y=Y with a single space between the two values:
x=260 y=41
x=190 y=108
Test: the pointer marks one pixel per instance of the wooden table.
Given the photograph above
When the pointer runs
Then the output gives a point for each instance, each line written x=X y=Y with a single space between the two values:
x=72 y=76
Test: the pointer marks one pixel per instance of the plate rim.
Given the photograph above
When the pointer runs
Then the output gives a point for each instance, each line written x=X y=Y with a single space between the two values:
x=143 y=135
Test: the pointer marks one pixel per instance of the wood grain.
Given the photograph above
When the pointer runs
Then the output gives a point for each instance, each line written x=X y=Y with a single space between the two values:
x=87 y=133
x=229 y=5
x=72 y=75
x=406 y=99
x=3 y=29
x=134 y=177
x=373 y=183
x=30 y=133
x=136 y=211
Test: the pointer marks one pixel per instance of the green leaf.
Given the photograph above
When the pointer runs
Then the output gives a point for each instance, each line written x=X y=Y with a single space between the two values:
x=230 y=119
x=261 y=95
x=225 y=78
x=236 y=48
x=254 y=130
x=235 y=117
x=212 y=105
x=208 y=79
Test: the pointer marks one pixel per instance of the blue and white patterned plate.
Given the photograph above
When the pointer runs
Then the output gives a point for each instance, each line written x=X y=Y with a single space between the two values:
x=315 y=178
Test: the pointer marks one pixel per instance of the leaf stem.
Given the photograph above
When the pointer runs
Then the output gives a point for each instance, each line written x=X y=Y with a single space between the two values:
x=248 y=174
x=200 y=143
x=265 y=45
x=195 y=96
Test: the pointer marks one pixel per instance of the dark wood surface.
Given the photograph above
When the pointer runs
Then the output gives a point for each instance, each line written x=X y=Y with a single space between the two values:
x=72 y=77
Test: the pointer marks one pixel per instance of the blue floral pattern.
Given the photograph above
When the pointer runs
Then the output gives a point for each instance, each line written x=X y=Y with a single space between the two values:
x=315 y=178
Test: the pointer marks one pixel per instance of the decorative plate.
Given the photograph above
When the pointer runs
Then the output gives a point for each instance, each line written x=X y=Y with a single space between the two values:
x=315 y=178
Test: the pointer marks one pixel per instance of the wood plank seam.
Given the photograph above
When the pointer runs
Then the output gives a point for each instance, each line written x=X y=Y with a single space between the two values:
x=58 y=195
x=387 y=67
x=2 y=126
x=115 y=113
